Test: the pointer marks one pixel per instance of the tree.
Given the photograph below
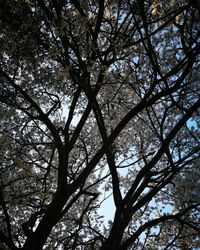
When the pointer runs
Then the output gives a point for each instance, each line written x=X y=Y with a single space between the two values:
x=99 y=98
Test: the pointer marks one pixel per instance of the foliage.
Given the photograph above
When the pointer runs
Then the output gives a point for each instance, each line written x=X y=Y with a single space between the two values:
x=99 y=99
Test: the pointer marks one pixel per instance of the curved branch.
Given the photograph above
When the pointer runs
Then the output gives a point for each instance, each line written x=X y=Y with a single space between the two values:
x=153 y=223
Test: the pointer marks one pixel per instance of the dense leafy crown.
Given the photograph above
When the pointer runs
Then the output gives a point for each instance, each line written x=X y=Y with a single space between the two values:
x=99 y=117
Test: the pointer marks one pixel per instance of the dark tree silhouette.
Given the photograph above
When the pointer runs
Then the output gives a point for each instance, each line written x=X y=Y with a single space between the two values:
x=99 y=100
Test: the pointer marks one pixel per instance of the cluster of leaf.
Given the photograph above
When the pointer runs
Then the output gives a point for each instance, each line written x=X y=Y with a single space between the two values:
x=99 y=98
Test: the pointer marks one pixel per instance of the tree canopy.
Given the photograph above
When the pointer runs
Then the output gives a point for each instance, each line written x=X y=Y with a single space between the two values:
x=99 y=102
